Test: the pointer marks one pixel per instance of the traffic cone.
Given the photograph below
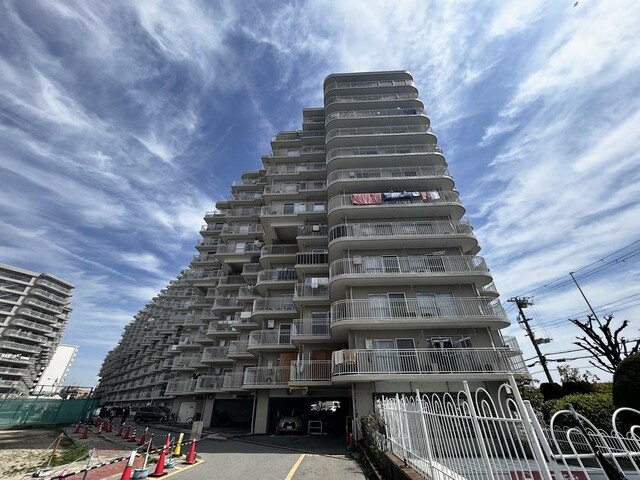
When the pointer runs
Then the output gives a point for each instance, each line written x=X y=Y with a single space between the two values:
x=126 y=475
x=77 y=429
x=151 y=442
x=191 y=456
x=178 y=449
x=159 y=471
x=168 y=441
x=85 y=433
x=127 y=433
x=143 y=438
x=119 y=432
x=132 y=439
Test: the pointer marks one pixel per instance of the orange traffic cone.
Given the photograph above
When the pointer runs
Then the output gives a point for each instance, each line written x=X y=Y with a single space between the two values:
x=126 y=475
x=168 y=441
x=119 y=432
x=85 y=433
x=159 y=471
x=143 y=438
x=77 y=429
x=191 y=456
x=127 y=434
x=132 y=439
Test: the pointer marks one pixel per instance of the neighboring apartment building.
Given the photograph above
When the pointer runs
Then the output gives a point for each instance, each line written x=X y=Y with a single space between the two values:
x=54 y=374
x=34 y=309
x=344 y=269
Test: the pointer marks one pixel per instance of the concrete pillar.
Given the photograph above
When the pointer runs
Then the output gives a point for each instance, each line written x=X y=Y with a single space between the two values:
x=207 y=411
x=261 y=420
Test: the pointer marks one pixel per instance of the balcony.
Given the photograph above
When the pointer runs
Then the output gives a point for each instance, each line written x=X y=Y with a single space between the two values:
x=54 y=286
x=227 y=252
x=376 y=117
x=226 y=305
x=410 y=270
x=266 y=377
x=427 y=311
x=244 y=321
x=13 y=372
x=312 y=235
x=232 y=381
x=215 y=355
x=392 y=235
x=489 y=290
x=277 y=254
x=39 y=315
x=209 y=383
x=296 y=153
x=316 y=328
x=229 y=283
x=384 y=156
x=270 y=340
x=280 y=307
x=312 y=262
x=424 y=364
x=187 y=342
x=186 y=363
x=38 y=327
x=374 y=86
x=313 y=293
x=15 y=358
x=310 y=372
x=43 y=305
x=315 y=189
x=302 y=209
x=177 y=387
x=353 y=180
x=20 y=347
x=204 y=259
x=298 y=171
x=409 y=100
x=279 y=279
x=241 y=231
x=238 y=350
x=250 y=270
x=430 y=203
x=59 y=299
x=24 y=335
x=244 y=213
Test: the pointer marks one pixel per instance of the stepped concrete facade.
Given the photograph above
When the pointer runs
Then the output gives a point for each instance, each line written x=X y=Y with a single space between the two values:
x=342 y=270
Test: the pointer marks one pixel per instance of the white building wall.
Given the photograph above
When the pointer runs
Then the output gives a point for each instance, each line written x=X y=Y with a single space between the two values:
x=53 y=376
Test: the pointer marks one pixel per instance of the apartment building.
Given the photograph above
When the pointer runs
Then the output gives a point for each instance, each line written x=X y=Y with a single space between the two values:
x=34 y=310
x=342 y=270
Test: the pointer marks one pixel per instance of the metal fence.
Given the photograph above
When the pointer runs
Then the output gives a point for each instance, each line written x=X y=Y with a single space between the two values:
x=43 y=410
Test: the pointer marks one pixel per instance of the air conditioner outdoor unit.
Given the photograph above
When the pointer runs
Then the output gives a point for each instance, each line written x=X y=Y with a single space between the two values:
x=357 y=260
x=315 y=228
x=245 y=315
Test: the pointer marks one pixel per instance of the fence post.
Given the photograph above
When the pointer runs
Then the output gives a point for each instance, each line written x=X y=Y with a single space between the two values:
x=478 y=431
x=531 y=434
x=426 y=434
x=544 y=443
x=401 y=423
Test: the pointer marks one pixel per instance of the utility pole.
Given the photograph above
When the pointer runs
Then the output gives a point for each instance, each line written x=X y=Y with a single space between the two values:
x=585 y=299
x=522 y=303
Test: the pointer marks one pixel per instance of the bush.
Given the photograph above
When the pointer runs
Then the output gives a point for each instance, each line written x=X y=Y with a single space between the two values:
x=598 y=408
x=580 y=386
x=626 y=383
x=551 y=391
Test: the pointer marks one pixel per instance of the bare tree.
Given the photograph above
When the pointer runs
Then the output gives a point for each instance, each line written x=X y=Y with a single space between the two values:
x=604 y=343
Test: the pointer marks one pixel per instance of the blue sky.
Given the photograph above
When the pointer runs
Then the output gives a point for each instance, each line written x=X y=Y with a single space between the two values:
x=121 y=123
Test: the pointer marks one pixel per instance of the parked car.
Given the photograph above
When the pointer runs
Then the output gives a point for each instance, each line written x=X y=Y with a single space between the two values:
x=150 y=414
x=290 y=425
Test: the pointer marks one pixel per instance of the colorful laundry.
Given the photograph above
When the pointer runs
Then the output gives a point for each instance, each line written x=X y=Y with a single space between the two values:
x=366 y=198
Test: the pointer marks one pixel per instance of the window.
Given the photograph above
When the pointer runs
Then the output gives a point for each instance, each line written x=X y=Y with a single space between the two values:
x=284 y=334
x=437 y=304
x=319 y=207
x=379 y=306
x=288 y=209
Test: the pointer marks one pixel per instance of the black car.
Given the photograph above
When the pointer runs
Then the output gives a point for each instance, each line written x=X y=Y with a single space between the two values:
x=150 y=414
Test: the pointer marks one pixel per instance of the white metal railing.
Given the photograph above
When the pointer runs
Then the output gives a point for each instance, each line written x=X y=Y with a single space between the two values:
x=11 y=332
x=413 y=264
x=285 y=136
x=19 y=346
x=386 y=173
x=446 y=197
x=367 y=84
x=181 y=362
x=238 y=249
x=310 y=371
x=296 y=152
x=388 y=130
x=290 y=169
x=278 y=275
x=294 y=209
x=269 y=337
x=243 y=212
x=248 y=292
x=241 y=229
x=251 y=268
x=265 y=376
x=293 y=189
x=382 y=150
x=32 y=325
x=40 y=303
x=209 y=382
x=232 y=380
x=180 y=386
x=313 y=119
x=35 y=314
x=214 y=353
x=489 y=289
x=394 y=229
x=13 y=371
x=312 y=258
x=245 y=196
x=49 y=295
x=273 y=304
x=382 y=97
x=312 y=327
x=423 y=361
x=238 y=347
x=313 y=230
x=210 y=228
x=53 y=286
x=232 y=281
x=422 y=308
x=389 y=112
x=279 y=250
x=311 y=291
x=211 y=274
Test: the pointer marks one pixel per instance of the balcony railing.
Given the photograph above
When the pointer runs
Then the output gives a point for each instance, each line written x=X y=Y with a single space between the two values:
x=20 y=322
x=250 y=269
x=294 y=209
x=238 y=347
x=21 y=347
x=214 y=353
x=246 y=196
x=310 y=371
x=11 y=332
x=242 y=229
x=290 y=169
x=279 y=250
x=209 y=382
x=383 y=97
x=389 y=112
x=53 y=286
x=294 y=189
x=269 y=338
x=180 y=386
x=394 y=229
x=41 y=304
x=238 y=249
x=51 y=296
x=382 y=150
x=232 y=281
x=243 y=212
x=367 y=84
x=401 y=265
x=313 y=230
x=312 y=258
x=439 y=198
x=267 y=376
x=35 y=314
x=279 y=275
x=14 y=371
x=306 y=291
x=490 y=289
x=418 y=308
x=289 y=152
x=233 y=380
x=434 y=361
x=312 y=327
x=275 y=304
x=394 y=173
x=248 y=293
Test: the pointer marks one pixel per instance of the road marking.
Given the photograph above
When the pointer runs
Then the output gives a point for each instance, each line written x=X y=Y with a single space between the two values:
x=292 y=472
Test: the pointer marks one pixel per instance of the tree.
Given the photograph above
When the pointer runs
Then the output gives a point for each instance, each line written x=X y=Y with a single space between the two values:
x=604 y=343
x=570 y=374
x=626 y=383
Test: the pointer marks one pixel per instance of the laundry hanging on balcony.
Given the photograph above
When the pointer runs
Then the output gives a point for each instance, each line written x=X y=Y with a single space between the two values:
x=428 y=196
x=396 y=196
x=366 y=199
